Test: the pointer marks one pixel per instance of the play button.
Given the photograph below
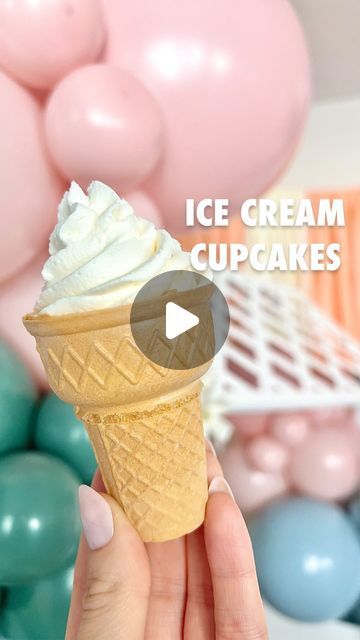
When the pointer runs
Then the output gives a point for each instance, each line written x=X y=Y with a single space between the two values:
x=179 y=320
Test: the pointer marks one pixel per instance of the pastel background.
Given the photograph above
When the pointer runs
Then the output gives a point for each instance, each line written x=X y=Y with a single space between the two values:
x=164 y=101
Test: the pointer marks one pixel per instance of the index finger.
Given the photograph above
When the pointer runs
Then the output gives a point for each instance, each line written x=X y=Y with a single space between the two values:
x=238 y=607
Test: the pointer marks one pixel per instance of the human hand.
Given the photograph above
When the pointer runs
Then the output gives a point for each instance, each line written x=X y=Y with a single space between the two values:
x=199 y=587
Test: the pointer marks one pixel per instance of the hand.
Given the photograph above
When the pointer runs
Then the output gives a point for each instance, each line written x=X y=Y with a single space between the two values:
x=199 y=587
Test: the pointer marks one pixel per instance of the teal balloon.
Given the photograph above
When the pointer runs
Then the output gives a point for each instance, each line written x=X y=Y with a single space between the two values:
x=17 y=401
x=58 y=431
x=39 y=519
x=39 y=610
x=308 y=559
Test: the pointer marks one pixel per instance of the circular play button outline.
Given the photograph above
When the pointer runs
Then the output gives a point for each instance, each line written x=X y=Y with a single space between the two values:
x=179 y=319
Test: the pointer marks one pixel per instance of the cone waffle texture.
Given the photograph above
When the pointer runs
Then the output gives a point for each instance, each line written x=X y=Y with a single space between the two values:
x=144 y=420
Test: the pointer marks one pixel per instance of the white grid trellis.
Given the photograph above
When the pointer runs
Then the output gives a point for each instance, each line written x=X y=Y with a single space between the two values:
x=282 y=352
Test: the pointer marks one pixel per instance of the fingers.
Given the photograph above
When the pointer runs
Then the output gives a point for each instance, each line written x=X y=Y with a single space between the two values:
x=168 y=590
x=237 y=604
x=199 y=616
x=80 y=574
x=117 y=584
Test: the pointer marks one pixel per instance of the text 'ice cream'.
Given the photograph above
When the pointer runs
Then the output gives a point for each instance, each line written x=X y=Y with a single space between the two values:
x=101 y=253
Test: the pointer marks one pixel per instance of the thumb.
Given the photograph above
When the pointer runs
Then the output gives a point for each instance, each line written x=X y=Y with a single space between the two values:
x=118 y=576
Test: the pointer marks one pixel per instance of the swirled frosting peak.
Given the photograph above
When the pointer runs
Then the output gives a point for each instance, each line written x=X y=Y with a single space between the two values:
x=101 y=253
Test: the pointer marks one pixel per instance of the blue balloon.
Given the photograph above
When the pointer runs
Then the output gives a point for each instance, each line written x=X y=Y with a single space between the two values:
x=354 y=510
x=308 y=559
x=17 y=402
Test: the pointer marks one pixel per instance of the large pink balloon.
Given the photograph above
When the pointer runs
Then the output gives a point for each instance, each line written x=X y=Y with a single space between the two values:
x=232 y=79
x=252 y=488
x=17 y=297
x=101 y=122
x=326 y=465
x=29 y=188
x=144 y=207
x=41 y=41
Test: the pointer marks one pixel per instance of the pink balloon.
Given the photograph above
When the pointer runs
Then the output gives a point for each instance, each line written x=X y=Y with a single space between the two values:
x=144 y=207
x=29 y=188
x=17 y=297
x=252 y=488
x=247 y=425
x=232 y=79
x=42 y=41
x=325 y=465
x=102 y=123
x=266 y=454
x=333 y=416
x=289 y=429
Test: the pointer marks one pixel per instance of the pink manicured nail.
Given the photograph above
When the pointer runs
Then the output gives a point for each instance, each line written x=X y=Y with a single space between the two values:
x=209 y=446
x=219 y=485
x=96 y=517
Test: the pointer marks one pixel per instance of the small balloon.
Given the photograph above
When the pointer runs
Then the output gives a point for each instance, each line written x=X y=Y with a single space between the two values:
x=289 y=429
x=102 y=123
x=42 y=41
x=325 y=465
x=29 y=188
x=252 y=488
x=59 y=431
x=144 y=207
x=266 y=454
x=17 y=298
x=307 y=559
x=39 y=519
x=17 y=401
x=247 y=425
x=38 y=609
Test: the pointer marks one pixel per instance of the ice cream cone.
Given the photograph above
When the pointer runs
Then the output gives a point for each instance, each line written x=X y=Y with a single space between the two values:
x=144 y=420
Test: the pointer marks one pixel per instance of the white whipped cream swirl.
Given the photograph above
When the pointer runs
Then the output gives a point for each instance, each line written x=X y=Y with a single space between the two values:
x=101 y=254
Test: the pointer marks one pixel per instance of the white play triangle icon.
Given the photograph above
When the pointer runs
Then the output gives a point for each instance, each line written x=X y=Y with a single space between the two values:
x=178 y=320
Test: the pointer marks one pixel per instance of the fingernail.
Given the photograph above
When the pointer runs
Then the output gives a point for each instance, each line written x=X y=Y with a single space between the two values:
x=219 y=485
x=209 y=446
x=96 y=517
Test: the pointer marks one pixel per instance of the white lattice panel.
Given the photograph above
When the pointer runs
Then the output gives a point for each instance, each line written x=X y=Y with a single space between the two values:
x=282 y=352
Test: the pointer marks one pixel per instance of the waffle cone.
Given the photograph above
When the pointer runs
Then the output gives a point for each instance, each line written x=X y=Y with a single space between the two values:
x=144 y=420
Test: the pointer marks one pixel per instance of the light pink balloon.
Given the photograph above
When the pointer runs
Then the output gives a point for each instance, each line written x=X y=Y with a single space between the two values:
x=325 y=465
x=29 y=187
x=247 y=425
x=266 y=454
x=333 y=416
x=144 y=207
x=102 y=123
x=17 y=297
x=252 y=488
x=289 y=429
x=232 y=79
x=41 y=41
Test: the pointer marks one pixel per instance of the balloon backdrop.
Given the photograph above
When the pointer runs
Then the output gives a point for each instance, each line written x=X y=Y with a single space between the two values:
x=325 y=465
x=266 y=454
x=249 y=424
x=17 y=297
x=233 y=104
x=17 y=401
x=252 y=488
x=29 y=188
x=307 y=558
x=102 y=123
x=42 y=41
x=144 y=207
x=39 y=521
x=38 y=610
x=289 y=429
x=58 y=431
